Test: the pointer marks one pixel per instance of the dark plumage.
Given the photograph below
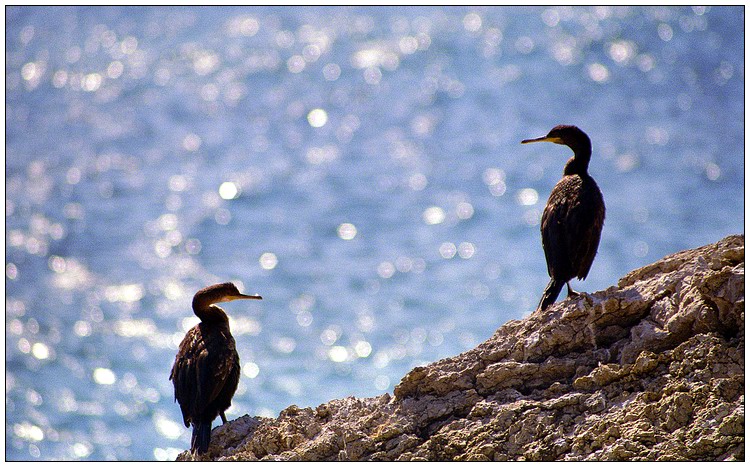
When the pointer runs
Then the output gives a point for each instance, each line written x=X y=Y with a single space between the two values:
x=206 y=370
x=573 y=218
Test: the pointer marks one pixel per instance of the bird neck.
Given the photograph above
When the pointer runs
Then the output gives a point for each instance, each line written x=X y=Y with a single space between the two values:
x=208 y=312
x=579 y=163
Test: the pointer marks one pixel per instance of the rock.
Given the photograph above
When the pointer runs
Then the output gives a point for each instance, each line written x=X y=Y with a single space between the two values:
x=652 y=369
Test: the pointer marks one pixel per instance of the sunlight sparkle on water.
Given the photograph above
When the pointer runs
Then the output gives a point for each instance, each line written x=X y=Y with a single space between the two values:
x=347 y=231
x=166 y=426
x=317 y=118
x=250 y=369
x=382 y=382
x=124 y=293
x=447 y=250
x=713 y=171
x=386 y=269
x=191 y=142
x=598 y=72
x=466 y=250
x=168 y=454
x=104 y=376
x=284 y=345
x=268 y=261
x=28 y=431
x=135 y=328
x=82 y=328
x=417 y=182
x=472 y=22
x=40 y=351
x=464 y=210
x=433 y=215
x=82 y=450
x=494 y=178
x=330 y=335
x=527 y=197
x=229 y=190
x=363 y=349
x=338 y=353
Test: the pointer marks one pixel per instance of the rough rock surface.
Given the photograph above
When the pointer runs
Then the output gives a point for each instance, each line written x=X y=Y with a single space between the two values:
x=652 y=369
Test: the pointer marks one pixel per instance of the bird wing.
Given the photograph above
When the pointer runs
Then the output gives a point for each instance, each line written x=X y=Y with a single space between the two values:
x=217 y=363
x=201 y=370
x=184 y=373
x=585 y=221
x=555 y=232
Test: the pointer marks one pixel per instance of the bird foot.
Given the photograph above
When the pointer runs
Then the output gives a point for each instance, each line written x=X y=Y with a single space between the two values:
x=572 y=293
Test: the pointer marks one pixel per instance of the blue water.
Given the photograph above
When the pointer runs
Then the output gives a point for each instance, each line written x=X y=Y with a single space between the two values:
x=358 y=167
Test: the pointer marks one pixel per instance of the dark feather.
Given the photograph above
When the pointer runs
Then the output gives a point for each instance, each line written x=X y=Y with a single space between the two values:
x=206 y=373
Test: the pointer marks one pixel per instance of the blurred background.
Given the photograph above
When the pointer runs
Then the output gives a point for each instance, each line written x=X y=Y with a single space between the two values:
x=361 y=168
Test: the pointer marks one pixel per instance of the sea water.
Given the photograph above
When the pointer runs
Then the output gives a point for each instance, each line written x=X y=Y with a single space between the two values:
x=360 y=168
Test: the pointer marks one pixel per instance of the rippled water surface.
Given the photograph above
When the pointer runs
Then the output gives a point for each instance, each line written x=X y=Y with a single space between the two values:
x=358 y=167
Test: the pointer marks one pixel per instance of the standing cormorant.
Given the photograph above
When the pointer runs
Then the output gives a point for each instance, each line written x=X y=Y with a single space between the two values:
x=573 y=218
x=206 y=370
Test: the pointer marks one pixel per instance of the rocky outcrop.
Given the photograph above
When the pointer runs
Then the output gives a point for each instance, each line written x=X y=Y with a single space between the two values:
x=652 y=369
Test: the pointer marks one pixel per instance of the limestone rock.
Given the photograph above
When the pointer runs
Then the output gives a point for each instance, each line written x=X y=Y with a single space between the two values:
x=652 y=369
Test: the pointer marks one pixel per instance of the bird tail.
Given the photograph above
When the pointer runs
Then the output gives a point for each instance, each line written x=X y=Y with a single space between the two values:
x=201 y=437
x=550 y=294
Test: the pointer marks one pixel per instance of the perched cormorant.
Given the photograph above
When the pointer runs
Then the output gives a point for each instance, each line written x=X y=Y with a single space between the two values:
x=573 y=218
x=206 y=370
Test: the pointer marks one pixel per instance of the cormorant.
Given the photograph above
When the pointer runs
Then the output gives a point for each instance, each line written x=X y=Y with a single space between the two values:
x=206 y=370
x=573 y=218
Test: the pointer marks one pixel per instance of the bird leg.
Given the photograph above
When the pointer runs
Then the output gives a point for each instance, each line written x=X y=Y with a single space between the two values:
x=223 y=417
x=571 y=292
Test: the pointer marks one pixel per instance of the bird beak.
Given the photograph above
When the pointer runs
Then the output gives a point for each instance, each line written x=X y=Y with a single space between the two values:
x=247 y=297
x=548 y=139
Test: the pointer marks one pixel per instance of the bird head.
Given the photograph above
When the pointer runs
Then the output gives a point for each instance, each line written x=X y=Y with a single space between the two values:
x=225 y=292
x=568 y=135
